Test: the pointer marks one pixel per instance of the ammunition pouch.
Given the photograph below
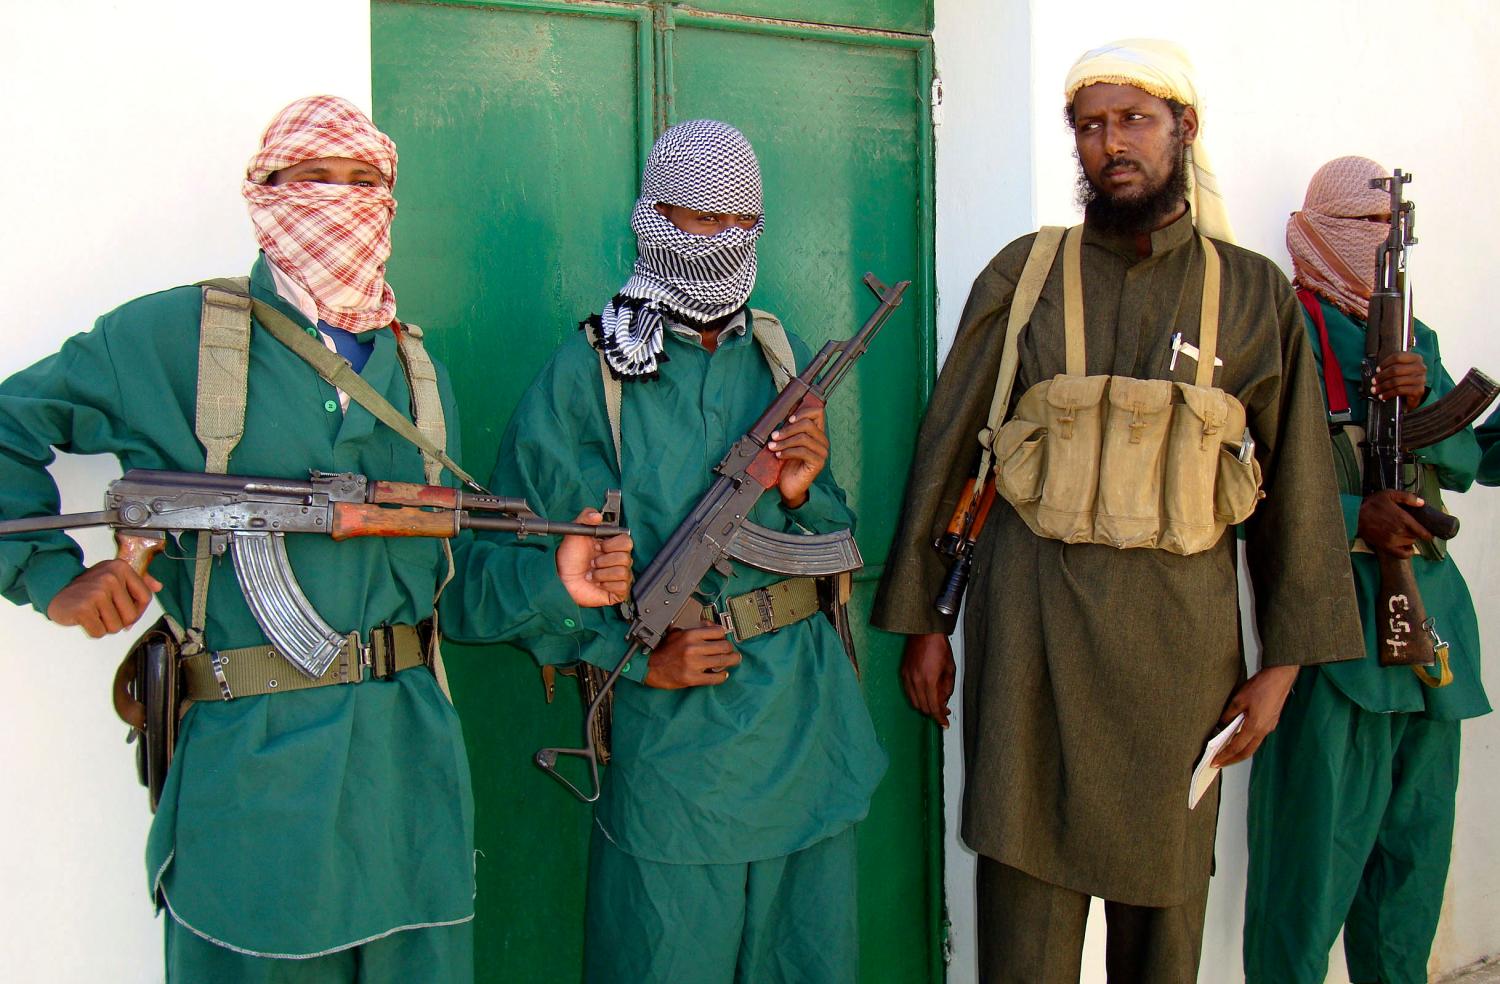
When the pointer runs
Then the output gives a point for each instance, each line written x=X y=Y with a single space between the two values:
x=1127 y=462
x=147 y=696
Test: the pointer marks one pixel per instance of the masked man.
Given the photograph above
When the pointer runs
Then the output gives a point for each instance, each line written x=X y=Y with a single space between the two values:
x=723 y=847
x=1352 y=798
x=323 y=832
x=1095 y=673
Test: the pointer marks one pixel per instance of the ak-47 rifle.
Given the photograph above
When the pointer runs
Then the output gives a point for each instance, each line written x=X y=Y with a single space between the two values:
x=1407 y=636
x=250 y=517
x=718 y=531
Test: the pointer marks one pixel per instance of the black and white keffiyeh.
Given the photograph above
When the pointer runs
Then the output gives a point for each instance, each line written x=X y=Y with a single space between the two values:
x=704 y=165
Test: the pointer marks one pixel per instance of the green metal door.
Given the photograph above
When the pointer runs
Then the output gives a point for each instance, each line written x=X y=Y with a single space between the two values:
x=523 y=125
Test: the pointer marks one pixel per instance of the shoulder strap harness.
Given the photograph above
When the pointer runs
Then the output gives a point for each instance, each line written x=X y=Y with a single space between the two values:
x=223 y=374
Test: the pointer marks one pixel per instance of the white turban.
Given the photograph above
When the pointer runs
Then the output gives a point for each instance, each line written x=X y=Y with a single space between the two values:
x=1162 y=69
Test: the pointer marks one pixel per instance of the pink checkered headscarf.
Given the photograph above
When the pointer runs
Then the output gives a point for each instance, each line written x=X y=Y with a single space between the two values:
x=1334 y=240
x=333 y=240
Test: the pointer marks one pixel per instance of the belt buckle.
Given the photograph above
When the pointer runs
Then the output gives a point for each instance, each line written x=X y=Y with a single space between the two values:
x=217 y=662
x=425 y=630
x=354 y=659
x=765 y=610
x=723 y=616
x=388 y=634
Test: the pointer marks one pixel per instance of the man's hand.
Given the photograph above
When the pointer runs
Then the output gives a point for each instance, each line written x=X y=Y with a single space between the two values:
x=1402 y=374
x=104 y=599
x=927 y=674
x=802 y=446
x=1386 y=527
x=698 y=657
x=595 y=572
x=1260 y=698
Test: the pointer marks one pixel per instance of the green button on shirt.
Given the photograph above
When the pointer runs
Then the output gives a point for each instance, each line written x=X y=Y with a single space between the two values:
x=782 y=755
x=293 y=823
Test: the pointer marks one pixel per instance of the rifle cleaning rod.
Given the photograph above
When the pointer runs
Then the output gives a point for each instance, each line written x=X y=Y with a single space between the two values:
x=37 y=524
x=536 y=527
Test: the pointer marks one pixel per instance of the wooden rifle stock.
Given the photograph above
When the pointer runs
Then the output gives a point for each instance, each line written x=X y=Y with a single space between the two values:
x=1401 y=622
x=958 y=542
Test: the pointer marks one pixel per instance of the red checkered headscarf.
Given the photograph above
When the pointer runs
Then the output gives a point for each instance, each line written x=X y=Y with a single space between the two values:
x=1335 y=238
x=333 y=240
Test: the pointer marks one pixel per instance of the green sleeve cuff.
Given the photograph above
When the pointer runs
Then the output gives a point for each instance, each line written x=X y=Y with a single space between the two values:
x=47 y=574
x=823 y=512
x=551 y=602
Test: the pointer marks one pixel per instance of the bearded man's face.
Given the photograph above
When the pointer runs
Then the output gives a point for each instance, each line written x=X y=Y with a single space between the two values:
x=1132 y=152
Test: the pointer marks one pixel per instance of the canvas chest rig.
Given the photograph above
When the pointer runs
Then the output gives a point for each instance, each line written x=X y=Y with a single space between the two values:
x=1113 y=459
x=223 y=373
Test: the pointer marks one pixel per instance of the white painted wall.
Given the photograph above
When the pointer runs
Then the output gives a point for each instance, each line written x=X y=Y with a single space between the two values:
x=125 y=130
x=1280 y=100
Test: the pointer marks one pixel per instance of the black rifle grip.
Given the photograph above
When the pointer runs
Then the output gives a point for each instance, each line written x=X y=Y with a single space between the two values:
x=1435 y=521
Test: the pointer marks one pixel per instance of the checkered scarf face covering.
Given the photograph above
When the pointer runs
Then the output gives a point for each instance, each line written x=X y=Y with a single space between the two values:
x=1334 y=240
x=332 y=239
x=703 y=165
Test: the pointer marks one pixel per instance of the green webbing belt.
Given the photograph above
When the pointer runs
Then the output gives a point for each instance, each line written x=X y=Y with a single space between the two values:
x=254 y=670
x=772 y=607
x=337 y=372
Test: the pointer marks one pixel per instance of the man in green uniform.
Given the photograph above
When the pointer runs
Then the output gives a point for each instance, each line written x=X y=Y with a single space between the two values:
x=1094 y=675
x=1352 y=797
x=723 y=846
x=323 y=834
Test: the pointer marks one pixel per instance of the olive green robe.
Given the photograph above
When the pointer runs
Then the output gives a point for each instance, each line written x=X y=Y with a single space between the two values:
x=1094 y=675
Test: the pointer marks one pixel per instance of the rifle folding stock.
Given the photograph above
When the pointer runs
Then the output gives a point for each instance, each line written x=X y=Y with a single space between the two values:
x=717 y=531
x=249 y=518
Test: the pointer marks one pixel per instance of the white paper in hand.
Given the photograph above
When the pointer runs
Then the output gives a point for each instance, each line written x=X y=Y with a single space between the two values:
x=1205 y=771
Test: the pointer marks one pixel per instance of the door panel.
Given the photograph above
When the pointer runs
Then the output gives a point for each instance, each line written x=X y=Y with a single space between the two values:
x=836 y=127
x=522 y=127
x=519 y=135
x=889 y=15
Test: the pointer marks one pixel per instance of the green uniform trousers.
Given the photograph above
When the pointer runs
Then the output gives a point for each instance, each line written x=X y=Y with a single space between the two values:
x=435 y=955
x=785 y=920
x=1031 y=932
x=1351 y=824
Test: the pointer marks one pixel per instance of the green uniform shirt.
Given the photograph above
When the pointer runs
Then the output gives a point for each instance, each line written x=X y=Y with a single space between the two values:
x=1488 y=435
x=784 y=753
x=1453 y=464
x=1093 y=676
x=293 y=823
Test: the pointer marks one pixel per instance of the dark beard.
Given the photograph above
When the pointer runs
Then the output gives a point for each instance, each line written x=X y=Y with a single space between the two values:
x=1136 y=216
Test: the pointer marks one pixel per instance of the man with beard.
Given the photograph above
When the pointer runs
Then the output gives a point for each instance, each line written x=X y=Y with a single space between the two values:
x=1352 y=798
x=1095 y=673
x=723 y=844
x=310 y=830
